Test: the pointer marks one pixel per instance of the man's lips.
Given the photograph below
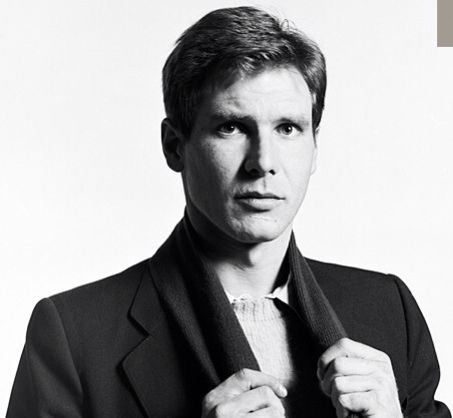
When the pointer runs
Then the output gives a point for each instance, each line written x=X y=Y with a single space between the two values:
x=259 y=202
x=258 y=195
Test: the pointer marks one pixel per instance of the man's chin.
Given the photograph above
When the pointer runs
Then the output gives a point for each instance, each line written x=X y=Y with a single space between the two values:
x=257 y=231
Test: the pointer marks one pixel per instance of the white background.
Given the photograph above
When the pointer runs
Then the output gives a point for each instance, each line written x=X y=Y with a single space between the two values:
x=85 y=191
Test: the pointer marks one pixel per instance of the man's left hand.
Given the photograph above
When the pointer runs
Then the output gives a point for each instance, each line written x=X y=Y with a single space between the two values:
x=359 y=378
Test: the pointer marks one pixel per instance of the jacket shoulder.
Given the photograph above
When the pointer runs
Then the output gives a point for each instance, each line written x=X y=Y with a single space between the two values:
x=343 y=271
x=115 y=290
x=352 y=278
x=364 y=297
x=97 y=314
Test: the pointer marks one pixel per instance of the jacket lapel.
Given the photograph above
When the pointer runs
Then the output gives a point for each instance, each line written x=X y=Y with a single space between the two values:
x=167 y=277
x=171 y=366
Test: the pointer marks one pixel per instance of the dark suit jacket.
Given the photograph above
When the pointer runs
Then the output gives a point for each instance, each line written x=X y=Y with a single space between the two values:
x=122 y=347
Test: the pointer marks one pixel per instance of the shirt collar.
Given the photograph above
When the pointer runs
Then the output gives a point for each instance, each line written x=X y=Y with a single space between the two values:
x=280 y=293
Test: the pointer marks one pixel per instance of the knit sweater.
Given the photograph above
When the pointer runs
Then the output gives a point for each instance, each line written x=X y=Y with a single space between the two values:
x=271 y=331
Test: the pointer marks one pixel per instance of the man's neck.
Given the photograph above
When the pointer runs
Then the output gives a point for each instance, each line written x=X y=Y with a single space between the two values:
x=244 y=268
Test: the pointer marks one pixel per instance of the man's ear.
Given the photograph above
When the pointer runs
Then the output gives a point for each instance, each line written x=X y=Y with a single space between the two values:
x=315 y=151
x=172 y=145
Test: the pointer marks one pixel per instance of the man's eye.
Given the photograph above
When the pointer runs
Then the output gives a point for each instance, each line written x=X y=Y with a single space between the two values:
x=288 y=129
x=228 y=129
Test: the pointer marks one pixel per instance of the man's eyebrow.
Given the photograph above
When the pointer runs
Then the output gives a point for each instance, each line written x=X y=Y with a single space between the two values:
x=301 y=118
x=229 y=115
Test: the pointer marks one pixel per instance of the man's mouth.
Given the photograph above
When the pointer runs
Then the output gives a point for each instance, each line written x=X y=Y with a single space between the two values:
x=259 y=201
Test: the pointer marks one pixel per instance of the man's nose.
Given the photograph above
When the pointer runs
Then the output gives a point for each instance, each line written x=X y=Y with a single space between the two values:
x=262 y=156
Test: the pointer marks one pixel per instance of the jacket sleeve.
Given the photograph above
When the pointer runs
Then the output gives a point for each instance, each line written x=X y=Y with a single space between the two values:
x=47 y=383
x=423 y=368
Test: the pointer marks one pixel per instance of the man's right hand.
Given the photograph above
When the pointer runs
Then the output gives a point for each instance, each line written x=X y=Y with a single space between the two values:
x=246 y=393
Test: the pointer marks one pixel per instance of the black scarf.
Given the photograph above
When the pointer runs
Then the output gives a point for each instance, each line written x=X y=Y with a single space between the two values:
x=203 y=294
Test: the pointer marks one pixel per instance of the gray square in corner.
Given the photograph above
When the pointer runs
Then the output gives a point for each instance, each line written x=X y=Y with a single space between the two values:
x=445 y=23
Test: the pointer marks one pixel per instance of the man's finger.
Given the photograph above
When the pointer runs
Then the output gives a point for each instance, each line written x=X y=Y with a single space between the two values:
x=348 y=348
x=351 y=367
x=253 y=400
x=240 y=382
x=269 y=412
x=247 y=379
x=357 y=401
x=349 y=384
x=359 y=370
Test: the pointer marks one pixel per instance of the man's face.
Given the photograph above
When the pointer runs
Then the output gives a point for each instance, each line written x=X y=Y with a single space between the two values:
x=247 y=163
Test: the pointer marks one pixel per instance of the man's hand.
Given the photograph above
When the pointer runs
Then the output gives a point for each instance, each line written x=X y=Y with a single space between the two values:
x=359 y=378
x=246 y=393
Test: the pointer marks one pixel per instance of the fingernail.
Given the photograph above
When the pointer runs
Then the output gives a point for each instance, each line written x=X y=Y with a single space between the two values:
x=283 y=391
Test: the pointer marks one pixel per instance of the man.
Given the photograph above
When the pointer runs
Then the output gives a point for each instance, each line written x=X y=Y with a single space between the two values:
x=228 y=319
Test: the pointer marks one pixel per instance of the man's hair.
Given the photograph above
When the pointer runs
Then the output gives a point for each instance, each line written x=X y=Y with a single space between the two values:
x=234 y=42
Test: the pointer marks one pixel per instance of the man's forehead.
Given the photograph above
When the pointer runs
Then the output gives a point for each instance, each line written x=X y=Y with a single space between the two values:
x=223 y=79
x=279 y=90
